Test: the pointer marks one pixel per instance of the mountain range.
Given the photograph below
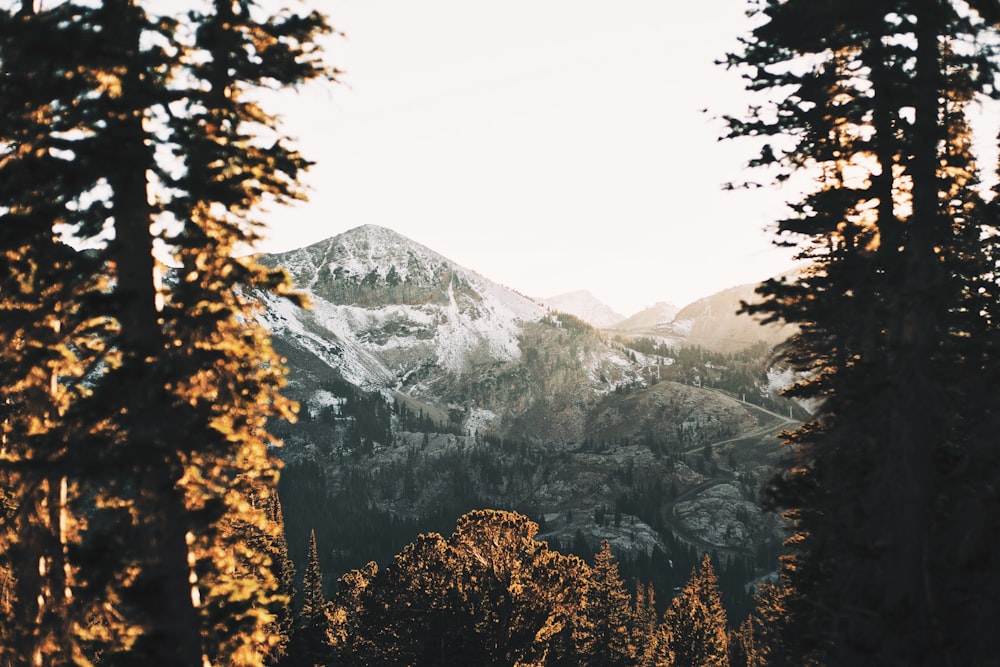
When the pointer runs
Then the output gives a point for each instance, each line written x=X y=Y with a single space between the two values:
x=427 y=390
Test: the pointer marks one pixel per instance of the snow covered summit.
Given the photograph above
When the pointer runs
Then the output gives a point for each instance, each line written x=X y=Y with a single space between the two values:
x=385 y=307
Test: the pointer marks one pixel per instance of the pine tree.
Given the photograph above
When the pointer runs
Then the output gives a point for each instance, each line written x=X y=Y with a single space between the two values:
x=603 y=627
x=348 y=617
x=644 y=636
x=756 y=642
x=696 y=632
x=52 y=335
x=310 y=644
x=276 y=548
x=261 y=550
x=488 y=595
x=896 y=313
x=136 y=398
x=520 y=593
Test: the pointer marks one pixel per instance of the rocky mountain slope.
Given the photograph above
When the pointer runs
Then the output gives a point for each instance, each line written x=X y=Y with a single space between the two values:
x=427 y=390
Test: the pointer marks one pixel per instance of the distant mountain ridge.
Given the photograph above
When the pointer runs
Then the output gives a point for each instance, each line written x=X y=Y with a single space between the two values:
x=390 y=314
x=587 y=307
x=659 y=314
x=712 y=322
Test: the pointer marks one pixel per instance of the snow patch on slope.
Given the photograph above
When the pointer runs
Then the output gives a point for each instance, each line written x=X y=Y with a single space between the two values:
x=332 y=342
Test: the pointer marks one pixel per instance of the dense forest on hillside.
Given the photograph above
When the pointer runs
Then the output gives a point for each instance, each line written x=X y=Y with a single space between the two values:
x=141 y=401
x=744 y=374
x=492 y=595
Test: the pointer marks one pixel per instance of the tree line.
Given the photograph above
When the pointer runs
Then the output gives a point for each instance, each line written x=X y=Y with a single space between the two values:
x=742 y=374
x=491 y=594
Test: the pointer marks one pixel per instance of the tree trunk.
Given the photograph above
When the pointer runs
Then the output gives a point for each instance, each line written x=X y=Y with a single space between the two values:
x=171 y=636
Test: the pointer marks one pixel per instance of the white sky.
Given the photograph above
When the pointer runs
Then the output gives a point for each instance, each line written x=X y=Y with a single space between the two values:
x=550 y=145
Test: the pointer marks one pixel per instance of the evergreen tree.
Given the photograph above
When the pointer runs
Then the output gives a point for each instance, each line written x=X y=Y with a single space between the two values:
x=284 y=573
x=347 y=616
x=488 y=595
x=603 y=627
x=897 y=318
x=273 y=545
x=696 y=631
x=519 y=592
x=50 y=338
x=663 y=652
x=644 y=637
x=310 y=643
x=135 y=402
x=756 y=643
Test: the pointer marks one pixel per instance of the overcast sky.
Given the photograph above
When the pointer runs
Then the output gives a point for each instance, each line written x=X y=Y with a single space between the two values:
x=550 y=145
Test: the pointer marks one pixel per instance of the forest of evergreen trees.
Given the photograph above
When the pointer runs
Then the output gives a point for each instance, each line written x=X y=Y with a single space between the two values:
x=491 y=594
x=139 y=522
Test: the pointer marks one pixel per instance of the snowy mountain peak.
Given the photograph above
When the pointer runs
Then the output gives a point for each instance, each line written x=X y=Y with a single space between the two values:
x=367 y=256
x=391 y=307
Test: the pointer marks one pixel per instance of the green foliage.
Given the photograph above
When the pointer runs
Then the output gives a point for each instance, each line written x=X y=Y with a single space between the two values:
x=742 y=374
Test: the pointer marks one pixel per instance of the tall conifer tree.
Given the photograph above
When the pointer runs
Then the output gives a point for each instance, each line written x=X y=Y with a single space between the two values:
x=310 y=645
x=604 y=619
x=897 y=316
x=52 y=331
x=275 y=546
x=696 y=634
x=644 y=636
x=136 y=398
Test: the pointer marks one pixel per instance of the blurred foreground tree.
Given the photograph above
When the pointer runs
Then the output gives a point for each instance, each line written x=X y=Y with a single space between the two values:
x=888 y=487
x=136 y=397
